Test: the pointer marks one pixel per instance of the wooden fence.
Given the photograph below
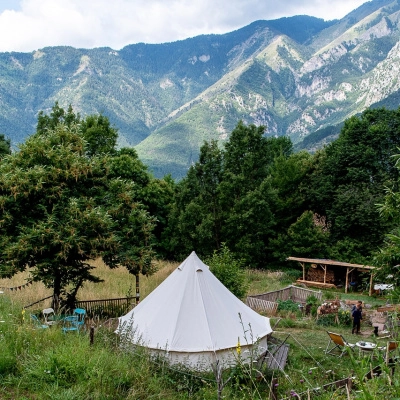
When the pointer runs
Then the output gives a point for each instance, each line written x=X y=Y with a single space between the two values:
x=107 y=308
x=260 y=305
x=267 y=302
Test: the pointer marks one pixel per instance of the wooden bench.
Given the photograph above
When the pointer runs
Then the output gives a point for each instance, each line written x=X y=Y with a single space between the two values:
x=276 y=355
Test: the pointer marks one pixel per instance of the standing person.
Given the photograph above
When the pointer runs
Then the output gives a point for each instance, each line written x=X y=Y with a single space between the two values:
x=357 y=317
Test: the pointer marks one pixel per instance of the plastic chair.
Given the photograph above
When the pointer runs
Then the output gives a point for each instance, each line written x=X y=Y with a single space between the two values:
x=38 y=324
x=49 y=315
x=70 y=324
x=80 y=313
x=339 y=345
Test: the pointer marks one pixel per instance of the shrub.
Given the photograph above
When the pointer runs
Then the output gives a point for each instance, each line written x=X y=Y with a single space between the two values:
x=287 y=305
x=229 y=271
x=312 y=300
x=290 y=275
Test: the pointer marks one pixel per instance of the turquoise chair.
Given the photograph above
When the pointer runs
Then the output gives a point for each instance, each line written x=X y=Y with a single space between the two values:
x=38 y=324
x=70 y=324
x=80 y=313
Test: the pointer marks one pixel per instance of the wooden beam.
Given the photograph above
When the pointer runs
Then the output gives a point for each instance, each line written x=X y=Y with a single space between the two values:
x=324 y=268
x=370 y=284
x=347 y=277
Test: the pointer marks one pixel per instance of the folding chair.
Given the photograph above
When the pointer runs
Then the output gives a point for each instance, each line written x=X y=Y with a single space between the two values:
x=338 y=345
x=38 y=324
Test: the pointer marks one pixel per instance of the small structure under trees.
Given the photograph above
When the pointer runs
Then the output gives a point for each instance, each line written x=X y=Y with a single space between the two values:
x=331 y=272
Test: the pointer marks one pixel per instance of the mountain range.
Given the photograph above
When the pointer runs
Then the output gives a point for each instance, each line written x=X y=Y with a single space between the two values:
x=298 y=76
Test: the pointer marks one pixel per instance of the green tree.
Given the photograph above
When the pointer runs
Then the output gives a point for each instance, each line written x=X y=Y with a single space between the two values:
x=57 y=116
x=387 y=258
x=229 y=270
x=60 y=209
x=306 y=237
x=5 y=146
x=289 y=178
x=247 y=197
x=156 y=195
x=100 y=136
x=349 y=177
x=195 y=218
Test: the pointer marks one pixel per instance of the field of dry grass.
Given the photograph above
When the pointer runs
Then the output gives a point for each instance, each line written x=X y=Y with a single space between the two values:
x=117 y=283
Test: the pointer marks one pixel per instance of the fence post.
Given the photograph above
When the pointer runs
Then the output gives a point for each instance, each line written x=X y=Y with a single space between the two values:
x=91 y=336
x=274 y=389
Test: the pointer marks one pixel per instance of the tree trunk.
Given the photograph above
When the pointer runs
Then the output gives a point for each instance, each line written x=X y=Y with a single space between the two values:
x=55 y=304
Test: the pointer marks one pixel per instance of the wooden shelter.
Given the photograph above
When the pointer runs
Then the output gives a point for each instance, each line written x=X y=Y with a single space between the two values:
x=324 y=264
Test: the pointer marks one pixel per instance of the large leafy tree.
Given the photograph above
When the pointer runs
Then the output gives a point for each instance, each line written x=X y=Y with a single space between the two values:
x=247 y=196
x=100 y=136
x=195 y=218
x=60 y=209
x=387 y=258
x=304 y=238
x=349 y=179
x=227 y=197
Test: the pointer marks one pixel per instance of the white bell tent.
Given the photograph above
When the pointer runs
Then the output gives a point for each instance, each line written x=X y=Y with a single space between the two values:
x=193 y=319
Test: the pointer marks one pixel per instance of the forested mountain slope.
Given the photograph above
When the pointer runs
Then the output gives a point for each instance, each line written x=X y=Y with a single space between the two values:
x=294 y=75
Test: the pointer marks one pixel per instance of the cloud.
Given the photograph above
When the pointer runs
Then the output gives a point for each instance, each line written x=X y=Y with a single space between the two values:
x=36 y=24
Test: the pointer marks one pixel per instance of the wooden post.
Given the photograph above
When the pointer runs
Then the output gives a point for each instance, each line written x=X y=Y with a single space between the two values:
x=370 y=284
x=137 y=289
x=304 y=271
x=91 y=335
x=274 y=389
x=324 y=268
x=347 y=277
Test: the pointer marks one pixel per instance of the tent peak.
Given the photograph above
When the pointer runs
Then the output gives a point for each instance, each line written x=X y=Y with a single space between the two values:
x=193 y=262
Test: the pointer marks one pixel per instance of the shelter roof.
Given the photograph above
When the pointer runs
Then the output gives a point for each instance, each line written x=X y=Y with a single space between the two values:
x=324 y=261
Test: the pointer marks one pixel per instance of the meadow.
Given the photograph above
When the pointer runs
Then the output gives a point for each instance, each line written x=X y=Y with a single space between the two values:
x=47 y=364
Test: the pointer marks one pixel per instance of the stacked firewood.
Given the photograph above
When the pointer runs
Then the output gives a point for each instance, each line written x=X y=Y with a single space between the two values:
x=331 y=307
x=317 y=275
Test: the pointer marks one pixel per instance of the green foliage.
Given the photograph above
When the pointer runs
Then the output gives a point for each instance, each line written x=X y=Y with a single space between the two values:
x=5 y=146
x=304 y=238
x=229 y=270
x=344 y=319
x=349 y=180
x=227 y=197
x=101 y=138
x=290 y=275
x=61 y=209
x=287 y=305
x=312 y=300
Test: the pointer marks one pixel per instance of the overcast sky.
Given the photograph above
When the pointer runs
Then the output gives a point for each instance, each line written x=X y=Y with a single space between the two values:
x=28 y=25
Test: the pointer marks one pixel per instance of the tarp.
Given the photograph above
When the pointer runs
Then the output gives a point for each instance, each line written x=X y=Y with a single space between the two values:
x=193 y=319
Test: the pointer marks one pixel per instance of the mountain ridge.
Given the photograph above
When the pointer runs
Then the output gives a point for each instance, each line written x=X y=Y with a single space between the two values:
x=295 y=75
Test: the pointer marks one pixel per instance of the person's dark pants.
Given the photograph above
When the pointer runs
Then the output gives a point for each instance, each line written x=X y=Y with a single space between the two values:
x=356 y=326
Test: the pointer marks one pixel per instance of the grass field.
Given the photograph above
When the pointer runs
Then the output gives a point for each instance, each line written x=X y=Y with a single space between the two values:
x=47 y=364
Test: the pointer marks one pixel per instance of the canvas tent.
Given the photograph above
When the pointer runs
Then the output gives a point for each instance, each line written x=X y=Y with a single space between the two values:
x=193 y=319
